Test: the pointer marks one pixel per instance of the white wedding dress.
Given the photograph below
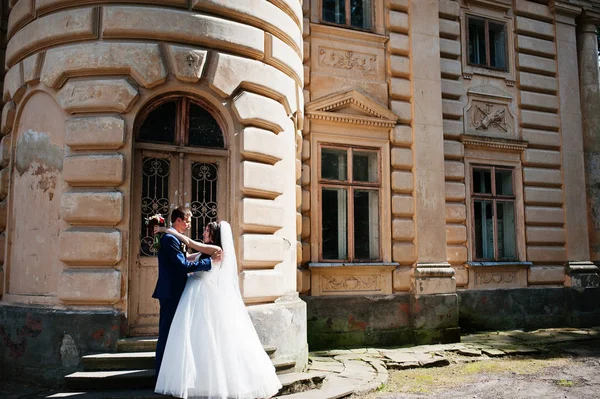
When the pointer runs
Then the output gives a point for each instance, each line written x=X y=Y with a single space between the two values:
x=213 y=350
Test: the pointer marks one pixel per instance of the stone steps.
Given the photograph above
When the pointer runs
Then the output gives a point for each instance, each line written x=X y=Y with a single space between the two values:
x=122 y=384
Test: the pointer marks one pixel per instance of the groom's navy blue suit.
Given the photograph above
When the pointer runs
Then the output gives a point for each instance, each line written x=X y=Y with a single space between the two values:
x=173 y=268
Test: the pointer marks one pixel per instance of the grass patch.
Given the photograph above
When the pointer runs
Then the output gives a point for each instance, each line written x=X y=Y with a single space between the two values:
x=564 y=383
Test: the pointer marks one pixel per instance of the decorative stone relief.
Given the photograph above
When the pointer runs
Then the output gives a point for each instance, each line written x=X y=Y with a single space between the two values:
x=495 y=278
x=350 y=283
x=489 y=112
x=344 y=59
x=494 y=275
x=331 y=280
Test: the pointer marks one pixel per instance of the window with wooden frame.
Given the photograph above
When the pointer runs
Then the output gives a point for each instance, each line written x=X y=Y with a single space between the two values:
x=350 y=199
x=487 y=43
x=356 y=14
x=493 y=213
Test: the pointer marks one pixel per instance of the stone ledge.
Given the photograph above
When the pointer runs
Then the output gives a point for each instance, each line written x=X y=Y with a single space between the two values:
x=114 y=95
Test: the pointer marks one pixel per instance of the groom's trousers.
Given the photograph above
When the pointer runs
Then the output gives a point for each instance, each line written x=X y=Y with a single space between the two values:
x=167 y=312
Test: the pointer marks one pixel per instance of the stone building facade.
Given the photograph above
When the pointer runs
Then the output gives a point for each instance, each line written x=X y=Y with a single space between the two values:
x=393 y=170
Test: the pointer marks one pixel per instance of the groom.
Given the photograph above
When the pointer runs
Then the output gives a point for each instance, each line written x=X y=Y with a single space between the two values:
x=173 y=267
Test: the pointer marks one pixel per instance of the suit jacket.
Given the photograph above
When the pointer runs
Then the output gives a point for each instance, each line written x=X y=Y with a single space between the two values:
x=173 y=268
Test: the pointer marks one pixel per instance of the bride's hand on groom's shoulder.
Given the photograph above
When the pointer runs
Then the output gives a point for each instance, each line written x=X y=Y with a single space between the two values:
x=217 y=255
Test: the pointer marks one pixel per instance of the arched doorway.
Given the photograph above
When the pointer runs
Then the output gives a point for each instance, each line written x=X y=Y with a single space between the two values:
x=180 y=159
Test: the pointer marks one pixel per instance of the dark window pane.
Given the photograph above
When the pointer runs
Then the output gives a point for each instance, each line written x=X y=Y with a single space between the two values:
x=204 y=131
x=361 y=14
x=159 y=126
x=334 y=11
x=334 y=211
x=334 y=164
x=484 y=230
x=365 y=166
x=155 y=198
x=366 y=224
x=477 y=54
x=497 y=34
x=504 y=182
x=204 y=205
x=507 y=247
x=482 y=181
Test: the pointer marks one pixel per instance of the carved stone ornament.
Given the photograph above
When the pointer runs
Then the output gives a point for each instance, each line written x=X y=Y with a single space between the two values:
x=351 y=107
x=350 y=283
x=489 y=112
x=496 y=278
x=345 y=59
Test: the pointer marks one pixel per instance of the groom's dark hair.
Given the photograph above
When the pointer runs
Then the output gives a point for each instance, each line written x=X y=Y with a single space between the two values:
x=179 y=213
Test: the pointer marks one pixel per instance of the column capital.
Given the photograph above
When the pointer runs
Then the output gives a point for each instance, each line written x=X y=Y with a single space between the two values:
x=565 y=12
x=589 y=20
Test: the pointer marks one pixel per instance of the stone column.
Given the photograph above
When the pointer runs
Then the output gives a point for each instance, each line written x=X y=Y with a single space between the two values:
x=576 y=224
x=585 y=274
x=433 y=282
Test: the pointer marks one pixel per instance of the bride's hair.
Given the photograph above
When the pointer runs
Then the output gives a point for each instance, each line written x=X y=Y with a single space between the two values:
x=214 y=230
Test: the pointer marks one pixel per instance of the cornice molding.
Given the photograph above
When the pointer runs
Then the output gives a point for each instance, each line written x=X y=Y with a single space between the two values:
x=565 y=8
x=493 y=143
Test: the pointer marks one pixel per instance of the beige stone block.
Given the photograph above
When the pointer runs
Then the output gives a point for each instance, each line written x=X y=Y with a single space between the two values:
x=305 y=227
x=534 y=10
x=53 y=29
x=452 y=89
x=261 y=180
x=89 y=286
x=22 y=13
x=449 y=9
x=261 y=285
x=544 y=215
x=450 y=48
x=305 y=201
x=306 y=252
x=298 y=224
x=452 y=128
x=456 y=212
x=401 y=278
x=449 y=29
x=303 y=280
x=402 y=182
x=539 y=101
x=403 y=229
x=422 y=65
x=92 y=208
x=461 y=274
x=542 y=137
x=3 y=215
x=298 y=170
x=253 y=109
x=400 y=88
x=535 y=157
x=546 y=254
x=91 y=133
x=400 y=5
x=186 y=63
x=114 y=95
x=536 y=82
x=399 y=66
x=305 y=25
x=306 y=75
x=534 y=27
x=456 y=233
x=13 y=84
x=457 y=254
x=427 y=109
x=402 y=158
x=546 y=235
x=533 y=63
x=262 y=250
x=226 y=73
x=305 y=178
x=403 y=205
x=403 y=110
x=452 y=109
x=433 y=285
x=399 y=43
x=455 y=191
x=404 y=253
x=454 y=170
x=4 y=183
x=306 y=53
x=540 y=120
x=450 y=69
x=546 y=274
x=284 y=58
x=94 y=170
x=298 y=196
x=126 y=22
x=305 y=150
x=539 y=176
x=142 y=61
x=543 y=196
x=261 y=145
x=90 y=247
x=536 y=46
x=402 y=135
x=45 y=6
x=9 y=112
x=398 y=21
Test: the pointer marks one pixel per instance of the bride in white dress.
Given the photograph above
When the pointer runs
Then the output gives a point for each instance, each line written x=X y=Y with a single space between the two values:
x=213 y=350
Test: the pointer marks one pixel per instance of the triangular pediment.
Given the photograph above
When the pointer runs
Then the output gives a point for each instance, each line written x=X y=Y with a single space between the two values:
x=351 y=107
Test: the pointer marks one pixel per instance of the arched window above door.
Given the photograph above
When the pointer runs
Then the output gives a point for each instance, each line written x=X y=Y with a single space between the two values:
x=181 y=121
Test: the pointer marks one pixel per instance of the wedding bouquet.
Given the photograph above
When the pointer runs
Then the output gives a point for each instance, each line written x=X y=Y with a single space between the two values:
x=152 y=221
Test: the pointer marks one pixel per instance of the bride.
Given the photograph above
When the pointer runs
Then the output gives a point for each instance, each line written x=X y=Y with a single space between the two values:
x=213 y=350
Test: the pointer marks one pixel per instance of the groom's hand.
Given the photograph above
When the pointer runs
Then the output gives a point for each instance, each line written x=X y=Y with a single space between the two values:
x=217 y=255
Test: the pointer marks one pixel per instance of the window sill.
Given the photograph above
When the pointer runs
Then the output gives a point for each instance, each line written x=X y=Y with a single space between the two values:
x=352 y=264
x=500 y=264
